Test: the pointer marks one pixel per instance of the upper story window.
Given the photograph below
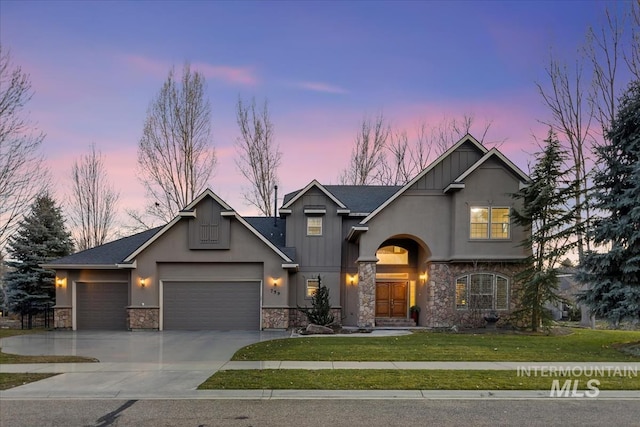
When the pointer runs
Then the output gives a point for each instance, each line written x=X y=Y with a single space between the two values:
x=392 y=255
x=314 y=226
x=482 y=291
x=490 y=223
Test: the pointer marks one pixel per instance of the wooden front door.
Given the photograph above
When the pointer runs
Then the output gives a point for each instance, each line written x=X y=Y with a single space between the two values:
x=391 y=299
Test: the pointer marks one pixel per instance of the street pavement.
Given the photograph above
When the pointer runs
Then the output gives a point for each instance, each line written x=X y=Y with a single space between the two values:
x=168 y=365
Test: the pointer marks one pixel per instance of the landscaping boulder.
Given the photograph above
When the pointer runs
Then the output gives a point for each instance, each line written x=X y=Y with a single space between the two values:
x=317 y=329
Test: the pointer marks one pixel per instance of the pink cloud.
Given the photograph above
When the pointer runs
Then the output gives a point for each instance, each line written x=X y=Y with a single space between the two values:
x=228 y=74
x=236 y=75
x=321 y=87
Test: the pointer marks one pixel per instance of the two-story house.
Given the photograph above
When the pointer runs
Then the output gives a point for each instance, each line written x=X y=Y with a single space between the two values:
x=445 y=242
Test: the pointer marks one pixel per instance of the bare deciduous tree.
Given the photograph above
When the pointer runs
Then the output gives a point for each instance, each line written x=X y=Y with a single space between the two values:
x=258 y=155
x=175 y=154
x=368 y=155
x=400 y=158
x=94 y=201
x=22 y=172
x=571 y=116
x=608 y=49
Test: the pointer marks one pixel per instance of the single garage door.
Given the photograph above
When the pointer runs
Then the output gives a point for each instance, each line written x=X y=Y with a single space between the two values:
x=211 y=305
x=102 y=306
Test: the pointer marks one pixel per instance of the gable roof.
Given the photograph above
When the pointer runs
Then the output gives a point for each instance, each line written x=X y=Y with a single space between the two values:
x=457 y=183
x=108 y=255
x=494 y=153
x=291 y=198
x=465 y=139
x=122 y=252
x=229 y=213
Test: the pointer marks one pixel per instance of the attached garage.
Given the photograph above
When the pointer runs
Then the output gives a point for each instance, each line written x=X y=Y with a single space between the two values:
x=102 y=306
x=211 y=305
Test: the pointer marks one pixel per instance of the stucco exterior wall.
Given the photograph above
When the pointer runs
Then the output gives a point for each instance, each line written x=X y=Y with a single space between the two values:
x=247 y=258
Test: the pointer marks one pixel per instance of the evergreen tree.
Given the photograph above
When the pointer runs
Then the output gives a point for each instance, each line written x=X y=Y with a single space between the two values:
x=546 y=214
x=320 y=311
x=614 y=276
x=41 y=237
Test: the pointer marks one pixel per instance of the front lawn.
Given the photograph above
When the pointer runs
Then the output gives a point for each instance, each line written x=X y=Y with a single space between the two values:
x=8 y=381
x=386 y=379
x=581 y=345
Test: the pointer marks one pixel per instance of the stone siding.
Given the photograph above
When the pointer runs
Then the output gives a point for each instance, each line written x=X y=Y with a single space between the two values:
x=62 y=318
x=366 y=294
x=143 y=318
x=441 y=298
x=275 y=318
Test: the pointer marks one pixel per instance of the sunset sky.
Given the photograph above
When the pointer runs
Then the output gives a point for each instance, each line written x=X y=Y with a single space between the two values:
x=95 y=67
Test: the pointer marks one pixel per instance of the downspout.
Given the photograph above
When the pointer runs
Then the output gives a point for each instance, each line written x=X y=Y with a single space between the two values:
x=275 y=207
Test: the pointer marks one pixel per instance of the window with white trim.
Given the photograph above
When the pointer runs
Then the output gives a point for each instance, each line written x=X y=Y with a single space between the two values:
x=312 y=287
x=482 y=291
x=314 y=226
x=490 y=223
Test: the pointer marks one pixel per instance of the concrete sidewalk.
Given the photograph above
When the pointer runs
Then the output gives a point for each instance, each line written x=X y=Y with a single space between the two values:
x=121 y=380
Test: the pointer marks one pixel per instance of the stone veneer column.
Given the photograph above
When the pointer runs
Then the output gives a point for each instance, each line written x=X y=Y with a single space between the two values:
x=143 y=318
x=366 y=293
x=62 y=317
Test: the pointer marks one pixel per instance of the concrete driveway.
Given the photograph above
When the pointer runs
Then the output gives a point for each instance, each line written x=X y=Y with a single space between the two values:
x=141 y=364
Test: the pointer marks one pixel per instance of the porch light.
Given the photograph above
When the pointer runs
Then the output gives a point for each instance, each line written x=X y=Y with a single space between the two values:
x=142 y=282
x=423 y=277
x=274 y=288
x=60 y=282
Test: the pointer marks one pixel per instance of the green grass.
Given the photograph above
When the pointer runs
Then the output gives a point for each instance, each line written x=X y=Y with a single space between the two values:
x=381 y=379
x=582 y=345
x=8 y=381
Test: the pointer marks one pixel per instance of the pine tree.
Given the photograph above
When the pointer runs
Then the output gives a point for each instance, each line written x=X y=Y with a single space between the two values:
x=546 y=214
x=320 y=311
x=613 y=276
x=41 y=237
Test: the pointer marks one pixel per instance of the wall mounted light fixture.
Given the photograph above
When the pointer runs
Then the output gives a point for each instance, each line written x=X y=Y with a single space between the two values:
x=142 y=282
x=274 y=287
x=60 y=282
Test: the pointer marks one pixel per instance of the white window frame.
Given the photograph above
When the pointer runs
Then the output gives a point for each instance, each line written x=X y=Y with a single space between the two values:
x=312 y=284
x=311 y=227
x=463 y=295
x=490 y=235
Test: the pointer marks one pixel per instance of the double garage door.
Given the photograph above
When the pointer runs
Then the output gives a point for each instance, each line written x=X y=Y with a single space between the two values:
x=185 y=305
x=211 y=305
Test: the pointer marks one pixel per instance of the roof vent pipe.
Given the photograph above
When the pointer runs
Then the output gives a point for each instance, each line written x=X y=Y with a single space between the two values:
x=275 y=207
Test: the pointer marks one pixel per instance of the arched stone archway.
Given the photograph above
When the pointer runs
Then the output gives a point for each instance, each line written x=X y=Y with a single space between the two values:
x=391 y=279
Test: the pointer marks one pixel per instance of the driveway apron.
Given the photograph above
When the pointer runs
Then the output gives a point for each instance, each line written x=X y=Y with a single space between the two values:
x=141 y=363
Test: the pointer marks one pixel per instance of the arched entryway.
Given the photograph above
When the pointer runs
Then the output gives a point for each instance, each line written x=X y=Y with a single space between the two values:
x=399 y=277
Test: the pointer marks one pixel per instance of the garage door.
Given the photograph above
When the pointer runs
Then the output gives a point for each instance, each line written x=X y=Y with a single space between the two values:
x=211 y=305
x=101 y=305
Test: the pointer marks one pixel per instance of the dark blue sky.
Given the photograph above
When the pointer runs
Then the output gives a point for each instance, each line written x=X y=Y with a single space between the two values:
x=95 y=66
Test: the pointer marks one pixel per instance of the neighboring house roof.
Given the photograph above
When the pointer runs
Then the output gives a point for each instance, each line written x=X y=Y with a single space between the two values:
x=109 y=254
